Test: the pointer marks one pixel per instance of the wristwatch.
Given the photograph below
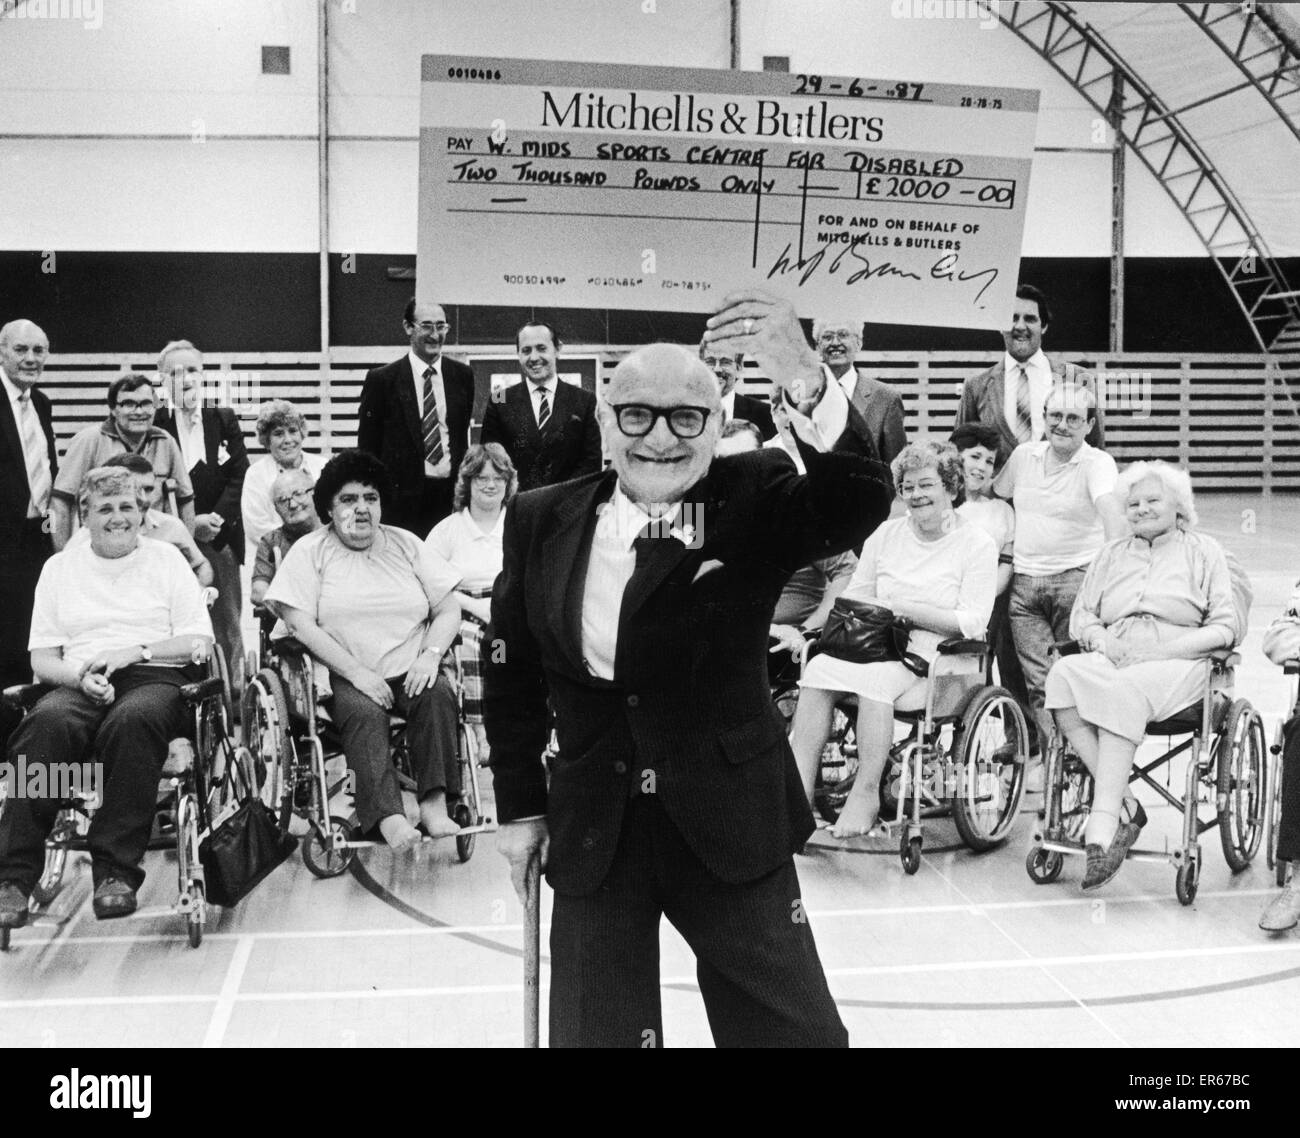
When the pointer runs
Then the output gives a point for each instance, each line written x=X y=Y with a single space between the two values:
x=146 y=654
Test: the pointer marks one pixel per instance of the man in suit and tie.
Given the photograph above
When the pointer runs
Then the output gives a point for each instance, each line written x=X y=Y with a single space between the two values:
x=1011 y=394
x=728 y=370
x=838 y=342
x=212 y=446
x=548 y=428
x=28 y=464
x=414 y=417
x=636 y=604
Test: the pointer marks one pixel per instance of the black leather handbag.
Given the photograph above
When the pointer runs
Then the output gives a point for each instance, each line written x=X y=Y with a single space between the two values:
x=860 y=632
x=242 y=850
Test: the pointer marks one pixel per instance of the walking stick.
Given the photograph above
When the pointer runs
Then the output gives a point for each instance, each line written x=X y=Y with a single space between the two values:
x=532 y=953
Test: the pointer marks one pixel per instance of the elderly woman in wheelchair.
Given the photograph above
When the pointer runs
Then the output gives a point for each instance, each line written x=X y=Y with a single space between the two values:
x=932 y=568
x=1151 y=611
x=119 y=626
x=378 y=609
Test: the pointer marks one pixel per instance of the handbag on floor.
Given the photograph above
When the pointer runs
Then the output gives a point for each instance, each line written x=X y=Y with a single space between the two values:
x=861 y=632
x=243 y=849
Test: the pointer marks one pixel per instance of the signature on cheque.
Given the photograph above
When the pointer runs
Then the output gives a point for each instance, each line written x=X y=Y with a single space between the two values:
x=852 y=261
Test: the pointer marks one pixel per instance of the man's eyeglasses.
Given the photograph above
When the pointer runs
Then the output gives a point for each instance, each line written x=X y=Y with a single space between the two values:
x=1054 y=418
x=724 y=363
x=636 y=420
x=135 y=404
x=430 y=326
x=833 y=336
x=296 y=496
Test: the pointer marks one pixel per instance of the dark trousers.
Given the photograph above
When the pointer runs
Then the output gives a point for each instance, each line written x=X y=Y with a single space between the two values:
x=1288 y=837
x=420 y=513
x=129 y=737
x=24 y=549
x=756 y=961
x=431 y=741
x=1010 y=675
x=226 y=611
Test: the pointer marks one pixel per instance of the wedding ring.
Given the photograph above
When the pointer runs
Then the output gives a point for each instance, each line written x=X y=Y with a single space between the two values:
x=749 y=327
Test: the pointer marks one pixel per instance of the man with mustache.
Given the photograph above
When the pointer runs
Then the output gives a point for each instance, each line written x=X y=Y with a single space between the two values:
x=548 y=428
x=414 y=417
x=636 y=603
x=1010 y=395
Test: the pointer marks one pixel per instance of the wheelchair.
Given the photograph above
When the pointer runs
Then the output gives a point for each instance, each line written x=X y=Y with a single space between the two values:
x=964 y=755
x=1273 y=814
x=1228 y=770
x=197 y=788
x=294 y=745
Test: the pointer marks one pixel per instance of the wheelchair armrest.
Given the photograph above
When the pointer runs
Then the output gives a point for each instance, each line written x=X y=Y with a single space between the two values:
x=1224 y=660
x=194 y=694
x=288 y=645
x=23 y=697
x=1291 y=668
x=1067 y=648
x=961 y=646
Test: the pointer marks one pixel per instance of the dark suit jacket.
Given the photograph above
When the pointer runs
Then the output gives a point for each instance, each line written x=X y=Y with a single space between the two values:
x=217 y=485
x=755 y=411
x=389 y=426
x=882 y=409
x=983 y=400
x=569 y=447
x=14 y=490
x=691 y=700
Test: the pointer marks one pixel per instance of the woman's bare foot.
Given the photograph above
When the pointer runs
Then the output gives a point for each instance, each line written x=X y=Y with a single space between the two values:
x=855 y=820
x=433 y=816
x=398 y=832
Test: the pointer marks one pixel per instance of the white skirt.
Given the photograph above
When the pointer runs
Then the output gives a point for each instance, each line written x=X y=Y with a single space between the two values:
x=1124 y=700
x=884 y=681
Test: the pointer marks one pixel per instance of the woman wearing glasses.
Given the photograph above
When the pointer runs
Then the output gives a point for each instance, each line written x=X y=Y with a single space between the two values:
x=377 y=607
x=470 y=540
x=1151 y=609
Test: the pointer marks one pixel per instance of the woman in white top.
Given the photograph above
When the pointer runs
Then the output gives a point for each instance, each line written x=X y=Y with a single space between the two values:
x=118 y=626
x=377 y=607
x=470 y=539
x=281 y=429
x=932 y=567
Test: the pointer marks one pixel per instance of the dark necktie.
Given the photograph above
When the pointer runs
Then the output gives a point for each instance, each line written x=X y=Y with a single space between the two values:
x=543 y=410
x=430 y=425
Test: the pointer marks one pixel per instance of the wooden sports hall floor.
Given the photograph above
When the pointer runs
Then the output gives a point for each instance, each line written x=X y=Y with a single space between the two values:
x=420 y=950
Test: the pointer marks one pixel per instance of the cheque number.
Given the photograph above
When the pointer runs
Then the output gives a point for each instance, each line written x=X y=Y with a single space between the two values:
x=472 y=73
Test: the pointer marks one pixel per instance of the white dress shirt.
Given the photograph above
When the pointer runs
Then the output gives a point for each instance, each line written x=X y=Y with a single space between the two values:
x=189 y=433
x=1040 y=383
x=620 y=522
x=418 y=368
x=14 y=393
x=535 y=393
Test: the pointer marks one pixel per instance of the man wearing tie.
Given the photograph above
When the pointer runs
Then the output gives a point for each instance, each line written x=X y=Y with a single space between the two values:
x=881 y=407
x=414 y=417
x=212 y=445
x=1010 y=395
x=635 y=603
x=548 y=428
x=28 y=463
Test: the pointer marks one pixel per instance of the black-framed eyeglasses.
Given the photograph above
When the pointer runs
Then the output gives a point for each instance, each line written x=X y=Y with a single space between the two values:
x=296 y=496
x=636 y=420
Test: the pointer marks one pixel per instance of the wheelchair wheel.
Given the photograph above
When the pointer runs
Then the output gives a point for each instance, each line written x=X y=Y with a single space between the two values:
x=4 y=939
x=325 y=862
x=264 y=723
x=1186 y=882
x=1044 y=866
x=991 y=748
x=195 y=924
x=909 y=853
x=1273 y=818
x=1242 y=784
x=464 y=844
x=839 y=767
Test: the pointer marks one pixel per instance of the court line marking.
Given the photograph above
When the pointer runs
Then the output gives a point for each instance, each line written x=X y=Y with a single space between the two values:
x=680 y=982
x=229 y=993
x=1029 y=958
x=974 y=909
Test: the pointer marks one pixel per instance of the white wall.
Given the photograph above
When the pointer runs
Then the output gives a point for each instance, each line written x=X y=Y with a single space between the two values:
x=187 y=68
